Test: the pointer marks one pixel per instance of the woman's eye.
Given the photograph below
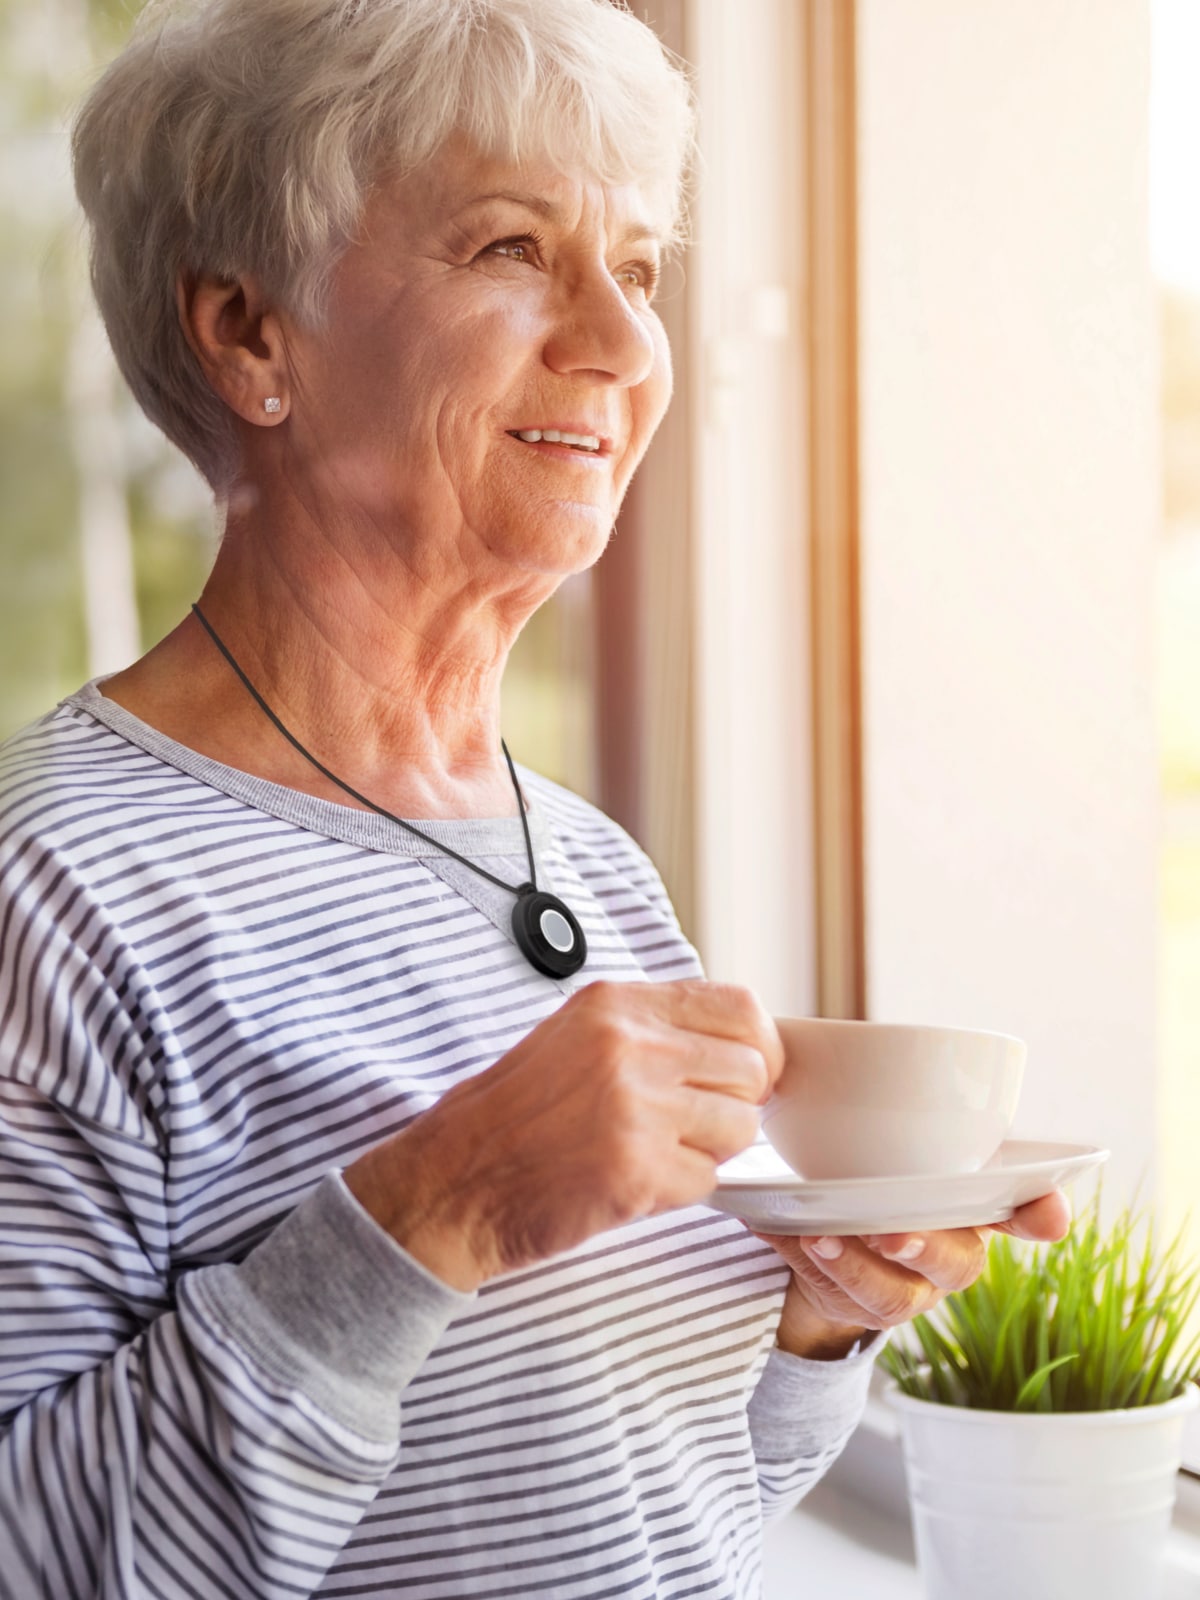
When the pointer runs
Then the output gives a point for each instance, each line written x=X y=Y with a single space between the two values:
x=524 y=249
x=642 y=275
x=527 y=248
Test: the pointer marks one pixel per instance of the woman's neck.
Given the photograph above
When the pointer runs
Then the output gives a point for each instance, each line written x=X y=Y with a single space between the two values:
x=389 y=677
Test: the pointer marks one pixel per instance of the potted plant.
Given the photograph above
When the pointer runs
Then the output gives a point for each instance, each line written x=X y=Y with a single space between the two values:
x=1042 y=1414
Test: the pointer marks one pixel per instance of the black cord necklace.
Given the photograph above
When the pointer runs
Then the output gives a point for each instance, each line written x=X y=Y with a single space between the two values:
x=546 y=931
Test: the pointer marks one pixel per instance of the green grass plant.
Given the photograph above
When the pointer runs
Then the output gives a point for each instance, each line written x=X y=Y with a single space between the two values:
x=1097 y=1322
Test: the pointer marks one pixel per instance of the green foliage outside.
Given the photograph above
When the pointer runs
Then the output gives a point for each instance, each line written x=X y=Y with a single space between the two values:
x=1102 y=1321
x=47 y=55
x=40 y=603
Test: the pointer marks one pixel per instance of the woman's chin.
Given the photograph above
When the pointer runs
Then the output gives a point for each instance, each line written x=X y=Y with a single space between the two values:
x=571 y=541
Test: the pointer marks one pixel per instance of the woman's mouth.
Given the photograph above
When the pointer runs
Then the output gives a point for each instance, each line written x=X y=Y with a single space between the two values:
x=562 y=442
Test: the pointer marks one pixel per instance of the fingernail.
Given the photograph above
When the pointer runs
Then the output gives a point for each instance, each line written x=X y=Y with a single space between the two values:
x=907 y=1252
x=827 y=1249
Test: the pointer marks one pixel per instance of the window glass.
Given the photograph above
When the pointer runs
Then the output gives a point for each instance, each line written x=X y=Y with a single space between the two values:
x=1175 y=245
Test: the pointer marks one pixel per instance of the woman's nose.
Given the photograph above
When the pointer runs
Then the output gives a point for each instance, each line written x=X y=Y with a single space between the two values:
x=598 y=331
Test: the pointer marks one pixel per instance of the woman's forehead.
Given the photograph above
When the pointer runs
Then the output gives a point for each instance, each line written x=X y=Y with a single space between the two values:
x=460 y=182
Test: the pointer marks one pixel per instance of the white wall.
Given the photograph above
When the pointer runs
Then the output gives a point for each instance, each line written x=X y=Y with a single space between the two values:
x=1009 y=506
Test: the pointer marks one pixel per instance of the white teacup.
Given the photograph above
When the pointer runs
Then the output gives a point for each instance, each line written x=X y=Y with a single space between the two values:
x=884 y=1100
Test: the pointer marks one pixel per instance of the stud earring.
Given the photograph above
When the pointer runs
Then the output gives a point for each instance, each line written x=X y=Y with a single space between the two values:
x=272 y=404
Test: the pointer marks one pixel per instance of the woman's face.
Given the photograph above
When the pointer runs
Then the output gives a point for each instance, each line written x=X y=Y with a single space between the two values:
x=484 y=302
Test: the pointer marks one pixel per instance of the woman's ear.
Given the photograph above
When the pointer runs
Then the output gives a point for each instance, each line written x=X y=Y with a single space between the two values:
x=239 y=344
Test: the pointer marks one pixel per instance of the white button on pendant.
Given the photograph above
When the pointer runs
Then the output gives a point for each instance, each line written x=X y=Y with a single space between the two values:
x=556 y=931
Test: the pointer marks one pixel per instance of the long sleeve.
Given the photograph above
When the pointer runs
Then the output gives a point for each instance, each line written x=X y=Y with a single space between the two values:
x=801 y=1415
x=216 y=1430
x=219 y=1379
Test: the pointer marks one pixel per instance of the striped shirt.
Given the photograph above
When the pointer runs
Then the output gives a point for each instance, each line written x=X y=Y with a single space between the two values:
x=219 y=1377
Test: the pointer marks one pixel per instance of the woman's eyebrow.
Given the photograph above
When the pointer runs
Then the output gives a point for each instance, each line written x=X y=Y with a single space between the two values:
x=532 y=202
x=551 y=212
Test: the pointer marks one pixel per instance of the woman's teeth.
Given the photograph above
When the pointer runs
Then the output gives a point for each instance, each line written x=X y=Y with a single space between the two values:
x=581 y=441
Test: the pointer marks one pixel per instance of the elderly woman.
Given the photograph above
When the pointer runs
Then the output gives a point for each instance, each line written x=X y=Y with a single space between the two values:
x=353 y=1240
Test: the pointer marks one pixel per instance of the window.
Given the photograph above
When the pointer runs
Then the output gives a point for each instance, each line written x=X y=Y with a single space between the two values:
x=720 y=521
x=1011 y=532
x=1175 y=253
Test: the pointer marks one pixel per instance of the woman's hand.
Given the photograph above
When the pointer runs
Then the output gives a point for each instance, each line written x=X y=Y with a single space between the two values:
x=620 y=1105
x=843 y=1289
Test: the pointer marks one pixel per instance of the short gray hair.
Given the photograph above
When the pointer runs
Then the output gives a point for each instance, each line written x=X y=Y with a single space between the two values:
x=236 y=136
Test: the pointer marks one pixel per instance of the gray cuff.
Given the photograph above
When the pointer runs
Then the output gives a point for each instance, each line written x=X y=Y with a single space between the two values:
x=330 y=1304
x=802 y=1408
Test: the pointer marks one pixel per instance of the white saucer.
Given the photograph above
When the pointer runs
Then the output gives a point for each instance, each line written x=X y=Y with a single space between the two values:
x=759 y=1187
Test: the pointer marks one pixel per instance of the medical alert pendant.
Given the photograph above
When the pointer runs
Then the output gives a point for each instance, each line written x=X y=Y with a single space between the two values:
x=547 y=934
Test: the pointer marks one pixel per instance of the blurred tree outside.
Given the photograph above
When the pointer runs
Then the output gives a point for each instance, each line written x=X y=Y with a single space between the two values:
x=106 y=531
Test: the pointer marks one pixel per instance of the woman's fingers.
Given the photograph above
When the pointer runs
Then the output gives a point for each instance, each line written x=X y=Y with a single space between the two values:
x=1045 y=1220
x=723 y=1066
x=844 y=1280
x=721 y=1011
x=950 y=1258
x=714 y=1037
x=719 y=1125
x=855 y=1280
x=883 y=1280
x=686 y=1178
x=881 y=1293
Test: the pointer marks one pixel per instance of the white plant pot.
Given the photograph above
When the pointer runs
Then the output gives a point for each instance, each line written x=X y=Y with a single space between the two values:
x=1043 y=1506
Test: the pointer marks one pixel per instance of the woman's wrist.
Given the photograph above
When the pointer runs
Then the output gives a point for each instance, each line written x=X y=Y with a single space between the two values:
x=390 y=1191
x=804 y=1332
